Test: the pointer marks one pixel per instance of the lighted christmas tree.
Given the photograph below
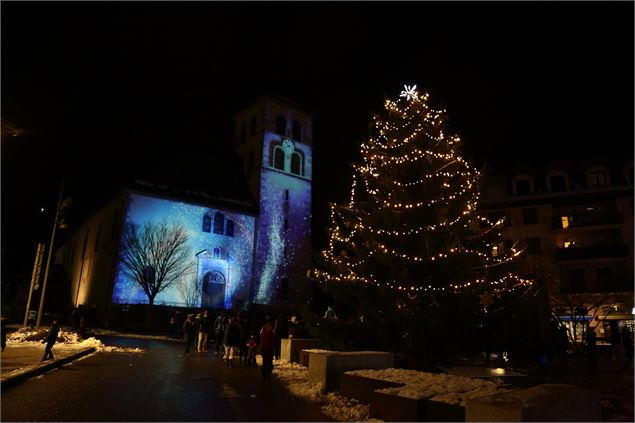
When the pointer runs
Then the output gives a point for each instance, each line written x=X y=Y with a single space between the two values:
x=411 y=233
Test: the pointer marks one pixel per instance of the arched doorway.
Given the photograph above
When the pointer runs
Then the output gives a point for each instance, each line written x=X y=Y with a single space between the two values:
x=213 y=290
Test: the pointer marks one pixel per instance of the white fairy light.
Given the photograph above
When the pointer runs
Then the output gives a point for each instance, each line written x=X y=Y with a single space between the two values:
x=409 y=92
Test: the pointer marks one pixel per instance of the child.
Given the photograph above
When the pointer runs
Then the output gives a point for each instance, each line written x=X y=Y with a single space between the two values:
x=50 y=340
x=252 y=346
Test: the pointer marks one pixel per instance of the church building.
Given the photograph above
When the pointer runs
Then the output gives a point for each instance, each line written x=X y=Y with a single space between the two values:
x=236 y=251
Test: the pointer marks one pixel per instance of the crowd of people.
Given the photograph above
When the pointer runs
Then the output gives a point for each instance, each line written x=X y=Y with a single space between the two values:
x=235 y=337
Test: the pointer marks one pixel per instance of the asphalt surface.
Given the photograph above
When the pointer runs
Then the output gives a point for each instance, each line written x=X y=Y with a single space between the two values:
x=160 y=384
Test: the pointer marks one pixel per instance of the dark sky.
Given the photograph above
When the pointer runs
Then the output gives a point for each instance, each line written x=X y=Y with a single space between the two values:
x=104 y=88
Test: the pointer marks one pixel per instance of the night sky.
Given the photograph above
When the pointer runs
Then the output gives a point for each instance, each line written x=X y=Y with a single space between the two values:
x=106 y=91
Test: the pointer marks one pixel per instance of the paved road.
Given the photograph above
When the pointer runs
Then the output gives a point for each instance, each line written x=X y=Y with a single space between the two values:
x=159 y=385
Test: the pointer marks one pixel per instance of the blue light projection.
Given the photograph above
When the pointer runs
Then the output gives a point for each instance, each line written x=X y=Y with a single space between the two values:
x=221 y=262
x=284 y=238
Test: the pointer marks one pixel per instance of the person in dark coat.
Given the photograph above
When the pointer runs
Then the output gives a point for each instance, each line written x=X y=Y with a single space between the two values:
x=231 y=341
x=189 y=331
x=294 y=327
x=203 y=330
x=591 y=347
x=50 y=340
x=220 y=325
x=252 y=349
x=267 y=346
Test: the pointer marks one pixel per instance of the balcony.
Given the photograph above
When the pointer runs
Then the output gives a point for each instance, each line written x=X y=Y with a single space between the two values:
x=587 y=253
x=587 y=220
x=595 y=286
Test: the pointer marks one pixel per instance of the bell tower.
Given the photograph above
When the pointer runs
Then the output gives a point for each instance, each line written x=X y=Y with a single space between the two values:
x=273 y=140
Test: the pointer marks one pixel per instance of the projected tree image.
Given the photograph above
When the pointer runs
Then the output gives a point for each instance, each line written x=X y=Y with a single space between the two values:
x=155 y=255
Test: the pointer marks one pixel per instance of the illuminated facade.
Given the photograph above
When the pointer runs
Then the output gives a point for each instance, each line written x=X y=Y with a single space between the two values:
x=575 y=223
x=238 y=252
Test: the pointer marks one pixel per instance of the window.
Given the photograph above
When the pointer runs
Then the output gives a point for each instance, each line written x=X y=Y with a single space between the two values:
x=281 y=125
x=565 y=222
x=219 y=223
x=569 y=244
x=523 y=187
x=252 y=126
x=495 y=252
x=603 y=275
x=207 y=224
x=597 y=178
x=533 y=246
x=558 y=183
x=296 y=131
x=230 y=228
x=278 y=158
x=97 y=238
x=296 y=163
x=530 y=216
x=216 y=252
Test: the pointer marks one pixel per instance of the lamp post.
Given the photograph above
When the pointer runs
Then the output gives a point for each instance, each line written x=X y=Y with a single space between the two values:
x=48 y=259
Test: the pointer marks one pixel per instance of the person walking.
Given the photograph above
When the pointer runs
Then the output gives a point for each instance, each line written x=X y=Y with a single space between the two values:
x=231 y=340
x=267 y=345
x=203 y=330
x=219 y=332
x=329 y=314
x=50 y=340
x=252 y=349
x=189 y=331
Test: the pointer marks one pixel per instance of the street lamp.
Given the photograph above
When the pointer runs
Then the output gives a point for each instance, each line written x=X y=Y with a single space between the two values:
x=62 y=225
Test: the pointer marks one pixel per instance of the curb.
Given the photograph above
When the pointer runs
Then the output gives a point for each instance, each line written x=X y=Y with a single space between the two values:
x=10 y=382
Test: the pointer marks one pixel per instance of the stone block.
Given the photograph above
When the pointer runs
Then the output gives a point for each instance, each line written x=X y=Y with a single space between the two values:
x=361 y=388
x=290 y=348
x=548 y=402
x=327 y=367
x=393 y=408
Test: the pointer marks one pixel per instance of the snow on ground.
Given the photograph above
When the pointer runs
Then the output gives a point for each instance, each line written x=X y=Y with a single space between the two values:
x=295 y=377
x=66 y=340
x=436 y=387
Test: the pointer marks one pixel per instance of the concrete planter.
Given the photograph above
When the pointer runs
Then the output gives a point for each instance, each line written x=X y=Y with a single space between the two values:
x=394 y=408
x=327 y=367
x=290 y=348
x=362 y=388
x=548 y=402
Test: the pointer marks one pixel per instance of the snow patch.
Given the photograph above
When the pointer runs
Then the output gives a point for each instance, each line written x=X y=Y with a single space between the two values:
x=66 y=341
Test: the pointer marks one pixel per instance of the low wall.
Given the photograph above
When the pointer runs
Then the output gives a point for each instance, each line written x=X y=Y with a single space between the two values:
x=394 y=408
x=361 y=388
x=327 y=367
x=548 y=402
x=290 y=348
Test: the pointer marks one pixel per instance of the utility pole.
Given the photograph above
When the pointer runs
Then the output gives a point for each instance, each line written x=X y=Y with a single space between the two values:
x=35 y=278
x=48 y=259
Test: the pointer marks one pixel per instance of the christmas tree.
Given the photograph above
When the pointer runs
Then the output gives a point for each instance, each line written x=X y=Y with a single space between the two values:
x=411 y=234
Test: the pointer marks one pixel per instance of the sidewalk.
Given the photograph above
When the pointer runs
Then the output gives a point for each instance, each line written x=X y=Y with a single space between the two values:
x=20 y=362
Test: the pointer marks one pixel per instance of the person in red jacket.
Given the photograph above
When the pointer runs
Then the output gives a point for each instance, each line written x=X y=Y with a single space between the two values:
x=267 y=345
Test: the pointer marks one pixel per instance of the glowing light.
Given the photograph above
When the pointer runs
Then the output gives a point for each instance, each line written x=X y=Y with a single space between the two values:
x=409 y=92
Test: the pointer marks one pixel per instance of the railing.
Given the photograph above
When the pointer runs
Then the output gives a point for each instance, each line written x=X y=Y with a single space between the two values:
x=589 y=220
x=585 y=253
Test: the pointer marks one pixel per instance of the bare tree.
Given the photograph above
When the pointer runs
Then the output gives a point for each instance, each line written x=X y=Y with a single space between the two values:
x=155 y=255
x=188 y=286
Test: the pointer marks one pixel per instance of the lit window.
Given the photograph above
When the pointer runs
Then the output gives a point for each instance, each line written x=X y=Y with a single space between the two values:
x=495 y=251
x=565 y=222
x=569 y=244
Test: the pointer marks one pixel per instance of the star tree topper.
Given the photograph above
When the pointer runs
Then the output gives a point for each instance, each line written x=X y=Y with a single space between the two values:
x=409 y=92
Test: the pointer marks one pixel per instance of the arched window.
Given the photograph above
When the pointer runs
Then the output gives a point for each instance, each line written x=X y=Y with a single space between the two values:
x=207 y=223
x=278 y=158
x=281 y=125
x=296 y=163
x=296 y=131
x=230 y=228
x=216 y=252
x=219 y=223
